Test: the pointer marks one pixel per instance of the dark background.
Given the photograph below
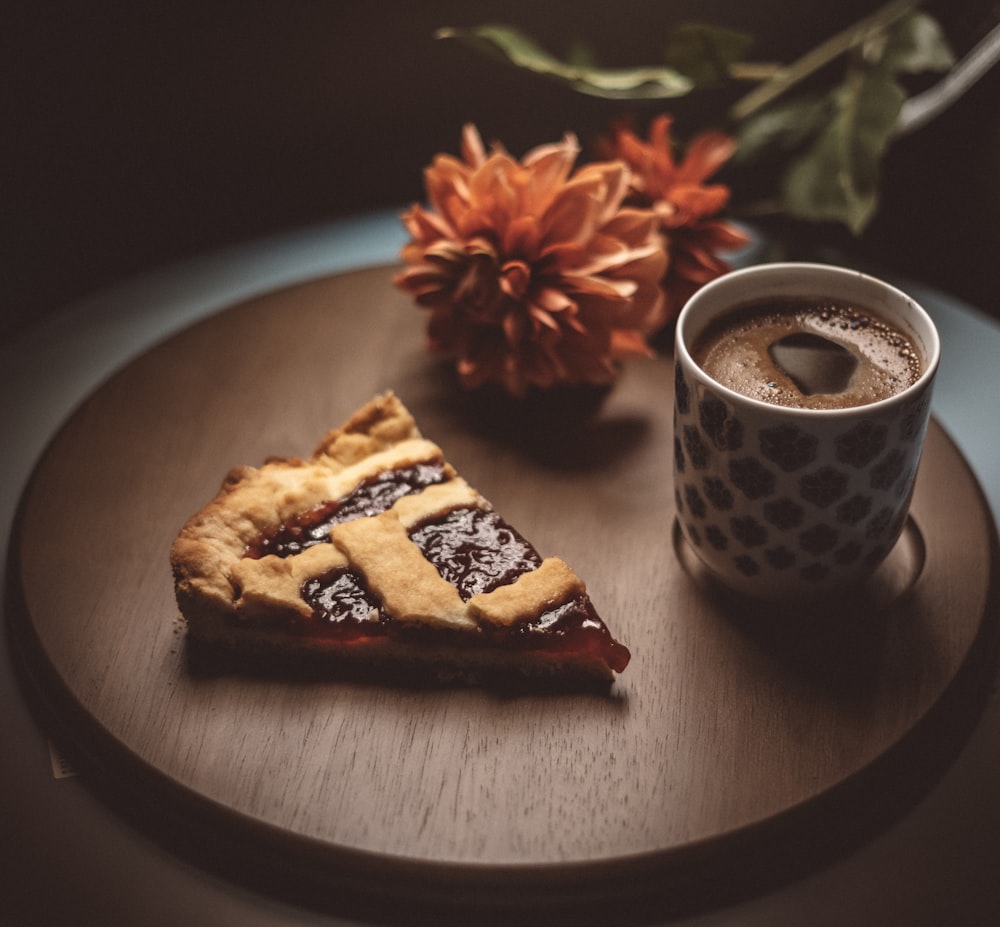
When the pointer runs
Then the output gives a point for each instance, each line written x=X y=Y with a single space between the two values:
x=141 y=133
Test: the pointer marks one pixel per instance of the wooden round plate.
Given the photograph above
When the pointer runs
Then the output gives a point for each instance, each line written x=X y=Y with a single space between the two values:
x=738 y=748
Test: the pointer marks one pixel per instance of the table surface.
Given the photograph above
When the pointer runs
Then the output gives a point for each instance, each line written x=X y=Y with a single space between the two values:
x=69 y=858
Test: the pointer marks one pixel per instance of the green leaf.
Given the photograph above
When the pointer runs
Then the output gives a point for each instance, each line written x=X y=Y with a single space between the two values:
x=782 y=127
x=706 y=53
x=513 y=47
x=837 y=178
x=915 y=44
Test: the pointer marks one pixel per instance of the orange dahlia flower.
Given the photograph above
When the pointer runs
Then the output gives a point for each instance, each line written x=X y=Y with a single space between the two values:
x=533 y=275
x=683 y=203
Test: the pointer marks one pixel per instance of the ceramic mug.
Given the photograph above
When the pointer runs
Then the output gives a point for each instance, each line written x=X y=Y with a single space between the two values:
x=783 y=503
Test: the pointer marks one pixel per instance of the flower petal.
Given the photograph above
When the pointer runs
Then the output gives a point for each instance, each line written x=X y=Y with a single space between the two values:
x=550 y=166
x=523 y=237
x=705 y=155
x=472 y=146
x=571 y=218
x=515 y=278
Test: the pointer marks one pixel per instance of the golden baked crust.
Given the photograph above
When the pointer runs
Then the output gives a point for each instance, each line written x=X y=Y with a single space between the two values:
x=240 y=590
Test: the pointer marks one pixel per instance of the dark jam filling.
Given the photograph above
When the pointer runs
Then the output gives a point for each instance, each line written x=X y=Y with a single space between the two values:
x=342 y=606
x=370 y=497
x=475 y=550
x=576 y=627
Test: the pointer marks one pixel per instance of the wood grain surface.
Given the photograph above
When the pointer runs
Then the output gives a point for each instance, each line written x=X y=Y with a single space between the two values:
x=739 y=746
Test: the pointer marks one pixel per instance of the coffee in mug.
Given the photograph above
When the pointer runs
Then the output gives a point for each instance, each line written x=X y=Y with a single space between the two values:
x=808 y=353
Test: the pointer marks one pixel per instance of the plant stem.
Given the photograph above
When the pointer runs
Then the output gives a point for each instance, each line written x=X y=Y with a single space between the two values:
x=821 y=55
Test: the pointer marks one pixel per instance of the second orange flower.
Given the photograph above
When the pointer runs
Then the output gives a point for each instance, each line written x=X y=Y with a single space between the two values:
x=686 y=206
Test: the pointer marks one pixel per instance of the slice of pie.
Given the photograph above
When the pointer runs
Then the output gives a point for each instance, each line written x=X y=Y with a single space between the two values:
x=374 y=557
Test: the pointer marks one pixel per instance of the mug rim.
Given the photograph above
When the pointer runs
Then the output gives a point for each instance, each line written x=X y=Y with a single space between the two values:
x=931 y=344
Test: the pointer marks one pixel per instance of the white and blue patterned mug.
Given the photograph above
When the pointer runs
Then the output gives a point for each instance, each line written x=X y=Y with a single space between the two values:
x=794 y=503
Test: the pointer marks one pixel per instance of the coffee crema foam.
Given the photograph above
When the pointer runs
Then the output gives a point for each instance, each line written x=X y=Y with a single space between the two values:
x=808 y=354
